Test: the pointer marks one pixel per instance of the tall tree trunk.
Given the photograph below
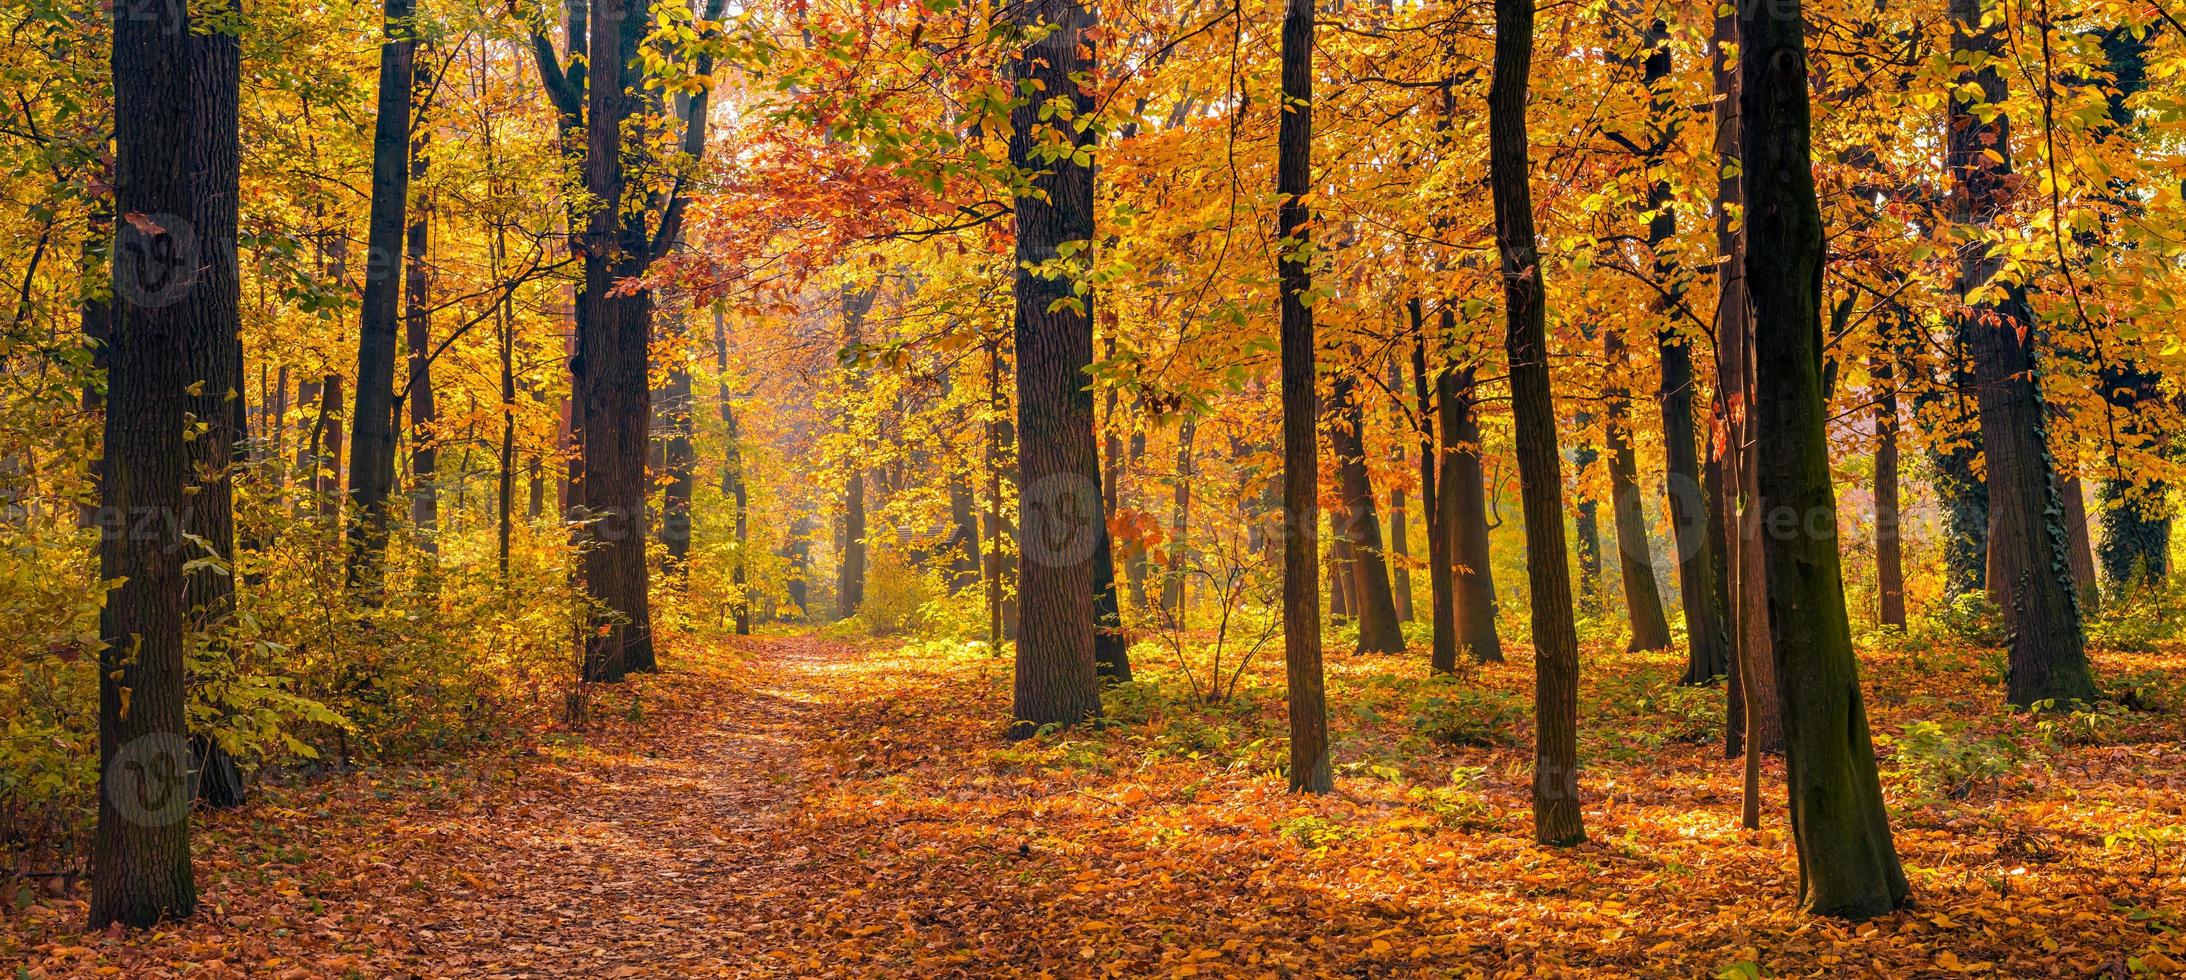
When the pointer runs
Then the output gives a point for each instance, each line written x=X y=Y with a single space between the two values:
x=1556 y=815
x=1308 y=702
x=372 y=424
x=733 y=487
x=1635 y=557
x=327 y=466
x=1442 y=651
x=679 y=462
x=1058 y=472
x=850 y=574
x=2027 y=533
x=1889 y=547
x=612 y=394
x=1847 y=863
x=1745 y=581
x=1400 y=565
x=417 y=338
x=1180 y=522
x=1707 y=647
x=1464 y=506
x=1379 y=631
x=173 y=354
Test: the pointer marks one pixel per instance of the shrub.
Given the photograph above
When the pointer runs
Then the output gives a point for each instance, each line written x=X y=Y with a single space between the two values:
x=1683 y=713
x=1943 y=761
x=1456 y=715
x=896 y=595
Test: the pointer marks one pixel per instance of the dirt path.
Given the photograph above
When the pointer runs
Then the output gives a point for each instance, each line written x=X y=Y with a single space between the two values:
x=661 y=847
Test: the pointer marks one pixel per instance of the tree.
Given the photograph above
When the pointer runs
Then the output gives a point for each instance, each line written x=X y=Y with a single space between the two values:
x=1379 y=630
x=372 y=424
x=1540 y=468
x=1464 y=511
x=2029 y=566
x=1848 y=865
x=1752 y=696
x=1308 y=703
x=1635 y=558
x=174 y=339
x=1707 y=648
x=1058 y=472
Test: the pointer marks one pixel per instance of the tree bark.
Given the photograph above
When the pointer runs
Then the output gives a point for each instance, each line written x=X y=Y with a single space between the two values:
x=1375 y=607
x=1310 y=771
x=1556 y=814
x=1707 y=647
x=733 y=487
x=175 y=321
x=2030 y=569
x=1848 y=865
x=372 y=424
x=1400 y=566
x=613 y=396
x=1442 y=650
x=1058 y=468
x=1889 y=547
x=1745 y=582
x=1635 y=557
x=1464 y=507
x=417 y=339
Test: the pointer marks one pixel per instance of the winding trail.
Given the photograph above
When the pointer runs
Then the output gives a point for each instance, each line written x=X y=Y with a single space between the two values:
x=663 y=847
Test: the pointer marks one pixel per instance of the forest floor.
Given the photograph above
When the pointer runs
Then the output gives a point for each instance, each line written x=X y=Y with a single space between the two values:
x=793 y=805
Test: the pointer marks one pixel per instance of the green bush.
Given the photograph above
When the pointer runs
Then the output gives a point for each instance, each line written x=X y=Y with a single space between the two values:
x=1683 y=714
x=1943 y=761
x=1456 y=715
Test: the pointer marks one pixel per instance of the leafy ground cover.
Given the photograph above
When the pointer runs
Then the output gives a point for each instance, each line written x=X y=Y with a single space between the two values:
x=796 y=805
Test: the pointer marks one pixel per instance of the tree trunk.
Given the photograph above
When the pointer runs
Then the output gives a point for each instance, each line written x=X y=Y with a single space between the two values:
x=1889 y=548
x=1400 y=566
x=1442 y=653
x=1180 y=514
x=1308 y=703
x=1707 y=647
x=327 y=467
x=417 y=339
x=679 y=462
x=732 y=473
x=850 y=574
x=1058 y=472
x=1745 y=582
x=1556 y=815
x=2081 y=547
x=1847 y=863
x=1376 y=608
x=175 y=320
x=1635 y=558
x=2027 y=533
x=372 y=424
x=1464 y=506
x=613 y=396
